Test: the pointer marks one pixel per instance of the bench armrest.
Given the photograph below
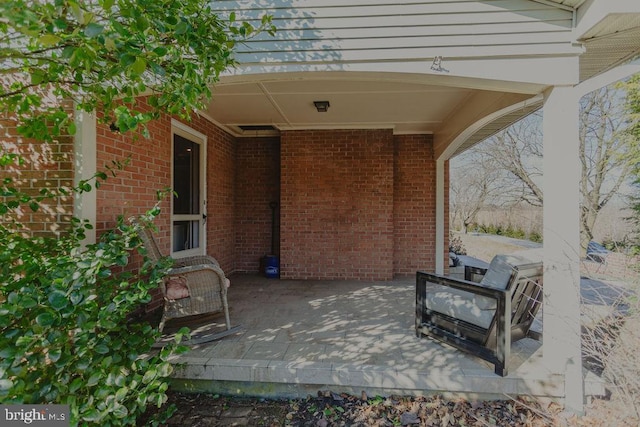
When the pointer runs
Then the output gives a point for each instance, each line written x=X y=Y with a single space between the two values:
x=465 y=285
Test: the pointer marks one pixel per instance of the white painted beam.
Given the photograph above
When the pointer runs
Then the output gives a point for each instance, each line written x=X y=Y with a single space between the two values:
x=561 y=313
x=440 y=210
x=521 y=74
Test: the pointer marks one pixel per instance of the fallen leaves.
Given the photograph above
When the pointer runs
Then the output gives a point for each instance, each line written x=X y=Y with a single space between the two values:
x=330 y=409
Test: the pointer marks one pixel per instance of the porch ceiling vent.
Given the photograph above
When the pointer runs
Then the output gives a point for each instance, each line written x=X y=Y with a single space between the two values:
x=257 y=130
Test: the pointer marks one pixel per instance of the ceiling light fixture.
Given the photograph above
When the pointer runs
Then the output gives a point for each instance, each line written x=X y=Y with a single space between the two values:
x=321 y=106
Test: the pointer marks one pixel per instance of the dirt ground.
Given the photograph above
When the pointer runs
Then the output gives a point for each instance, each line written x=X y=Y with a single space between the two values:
x=331 y=409
x=328 y=409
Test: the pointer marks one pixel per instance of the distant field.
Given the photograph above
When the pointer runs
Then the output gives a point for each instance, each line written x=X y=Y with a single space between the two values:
x=485 y=247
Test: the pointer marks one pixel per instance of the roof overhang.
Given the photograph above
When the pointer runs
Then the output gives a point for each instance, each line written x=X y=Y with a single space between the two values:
x=428 y=68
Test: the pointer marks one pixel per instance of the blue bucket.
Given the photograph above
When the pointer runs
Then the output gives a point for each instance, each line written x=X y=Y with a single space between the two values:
x=271 y=266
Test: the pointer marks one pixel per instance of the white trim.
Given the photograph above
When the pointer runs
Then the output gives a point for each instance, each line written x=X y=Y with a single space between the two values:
x=475 y=127
x=85 y=167
x=561 y=231
x=185 y=128
x=179 y=128
x=557 y=5
x=601 y=80
x=439 y=240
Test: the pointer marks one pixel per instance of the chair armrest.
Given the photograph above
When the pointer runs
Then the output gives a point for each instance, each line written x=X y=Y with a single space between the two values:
x=197 y=270
x=195 y=260
x=465 y=285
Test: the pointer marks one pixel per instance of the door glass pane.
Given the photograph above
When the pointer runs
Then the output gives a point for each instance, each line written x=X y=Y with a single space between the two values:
x=186 y=176
x=187 y=198
x=186 y=235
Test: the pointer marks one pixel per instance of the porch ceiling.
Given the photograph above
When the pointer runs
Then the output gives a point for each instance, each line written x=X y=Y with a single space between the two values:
x=407 y=104
x=498 y=60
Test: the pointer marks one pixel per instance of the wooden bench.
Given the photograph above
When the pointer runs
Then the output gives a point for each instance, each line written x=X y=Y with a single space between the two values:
x=482 y=318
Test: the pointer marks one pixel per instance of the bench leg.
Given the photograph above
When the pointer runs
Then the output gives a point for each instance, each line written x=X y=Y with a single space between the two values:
x=421 y=290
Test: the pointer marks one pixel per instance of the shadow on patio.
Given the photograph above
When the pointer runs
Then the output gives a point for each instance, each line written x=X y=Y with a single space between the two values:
x=299 y=337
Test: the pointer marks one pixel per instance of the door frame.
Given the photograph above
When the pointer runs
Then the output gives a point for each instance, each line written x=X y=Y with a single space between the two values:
x=179 y=128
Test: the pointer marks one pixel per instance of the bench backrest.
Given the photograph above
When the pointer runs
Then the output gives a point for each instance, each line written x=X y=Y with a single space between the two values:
x=526 y=295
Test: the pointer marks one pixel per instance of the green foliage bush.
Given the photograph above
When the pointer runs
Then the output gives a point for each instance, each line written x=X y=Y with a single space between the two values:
x=534 y=236
x=509 y=231
x=65 y=331
x=66 y=335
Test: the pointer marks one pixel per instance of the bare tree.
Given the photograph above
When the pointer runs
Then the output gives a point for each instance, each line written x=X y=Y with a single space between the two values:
x=472 y=187
x=605 y=147
x=604 y=144
x=516 y=155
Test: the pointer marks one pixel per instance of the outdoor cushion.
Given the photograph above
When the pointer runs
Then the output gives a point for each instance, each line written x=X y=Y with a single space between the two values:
x=176 y=287
x=460 y=305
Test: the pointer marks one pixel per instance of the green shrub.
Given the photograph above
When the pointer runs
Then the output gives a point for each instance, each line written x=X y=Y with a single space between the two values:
x=516 y=233
x=491 y=229
x=509 y=231
x=65 y=332
x=534 y=236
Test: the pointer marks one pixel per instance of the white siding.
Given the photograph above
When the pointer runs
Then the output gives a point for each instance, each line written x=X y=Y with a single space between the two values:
x=331 y=32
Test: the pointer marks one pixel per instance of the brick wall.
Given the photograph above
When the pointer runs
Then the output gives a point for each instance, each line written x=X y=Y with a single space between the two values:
x=47 y=165
x=221 y=187
x=133 y=190
x=414 y=203
x=357 y=204
x=337 y=204
x=257 y=185
x=147 y=170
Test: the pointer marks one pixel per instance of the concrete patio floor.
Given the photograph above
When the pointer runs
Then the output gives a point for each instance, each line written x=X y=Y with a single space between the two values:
x=299 y=337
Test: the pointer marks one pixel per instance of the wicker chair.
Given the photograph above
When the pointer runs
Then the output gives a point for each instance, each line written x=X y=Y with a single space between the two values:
x=194 y=285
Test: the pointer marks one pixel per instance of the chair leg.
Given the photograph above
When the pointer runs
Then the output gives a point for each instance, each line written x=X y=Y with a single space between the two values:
x=421 y=289
x=162 y=321
x=226 y=312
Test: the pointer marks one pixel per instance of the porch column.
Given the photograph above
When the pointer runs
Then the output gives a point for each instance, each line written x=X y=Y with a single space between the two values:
x=439 y=267
x=561 y=317
x=84 y=168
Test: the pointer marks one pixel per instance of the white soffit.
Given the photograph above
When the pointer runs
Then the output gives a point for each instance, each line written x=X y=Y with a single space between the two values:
x=611 y=42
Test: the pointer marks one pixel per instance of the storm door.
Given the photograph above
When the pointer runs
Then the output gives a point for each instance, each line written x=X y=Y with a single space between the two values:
x=189 y=203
